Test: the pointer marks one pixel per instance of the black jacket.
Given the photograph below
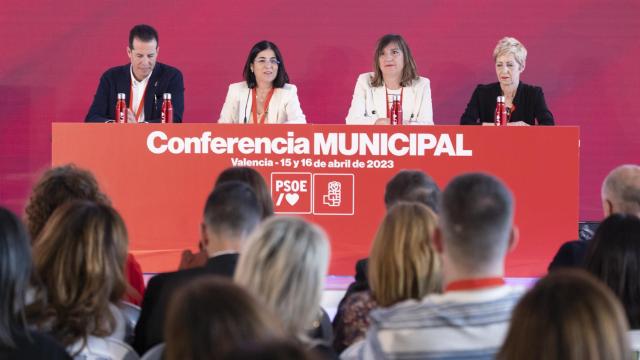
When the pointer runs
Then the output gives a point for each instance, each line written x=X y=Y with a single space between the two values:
x=150 y=326
x=529 y=105
x=164 y=79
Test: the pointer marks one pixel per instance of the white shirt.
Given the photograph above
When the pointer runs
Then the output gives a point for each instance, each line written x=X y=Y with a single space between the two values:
x=138 y=90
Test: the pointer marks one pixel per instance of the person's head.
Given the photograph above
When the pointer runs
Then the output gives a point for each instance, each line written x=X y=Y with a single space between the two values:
x=270 y=350
x=613 y=256
x=403 y=263
x=212 y=316
x=80 y=261
x=510 y=57
x=284 y=264
x=567 y=315
x=15 y=270
x=393 y=59
x=254 y=180
x=413 y=185
x=143 y=50
x=231 y=213
x=57 y=186
x=476 y=225
x=621 y=191
x=265 y=65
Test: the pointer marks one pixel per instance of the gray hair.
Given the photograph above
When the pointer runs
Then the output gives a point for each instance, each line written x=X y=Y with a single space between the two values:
x=622 y=188
x=284 y=265
x=510 y=45
x=476 y=219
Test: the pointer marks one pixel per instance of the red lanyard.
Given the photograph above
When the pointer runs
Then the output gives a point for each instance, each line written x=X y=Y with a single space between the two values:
x=254 y=108
x=141 y=105
x=387 y=98
x=474 y=284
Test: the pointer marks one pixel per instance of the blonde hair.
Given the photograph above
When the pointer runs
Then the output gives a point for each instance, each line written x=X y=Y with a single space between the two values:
x=403 y=263
x=510 y=45
x=284 y=265
x=79 y=259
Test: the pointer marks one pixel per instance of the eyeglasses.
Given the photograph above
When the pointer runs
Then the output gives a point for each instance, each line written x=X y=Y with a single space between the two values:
x=264 y=61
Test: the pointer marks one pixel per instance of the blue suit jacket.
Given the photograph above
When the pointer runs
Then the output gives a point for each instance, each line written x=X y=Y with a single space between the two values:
x=164 y=79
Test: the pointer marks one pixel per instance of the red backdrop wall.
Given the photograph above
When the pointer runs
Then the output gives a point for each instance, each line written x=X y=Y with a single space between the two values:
x=583 y=53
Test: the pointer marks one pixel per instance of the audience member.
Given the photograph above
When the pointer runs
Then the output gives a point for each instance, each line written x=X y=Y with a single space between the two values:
x=211 y=317
x=79 y=262
x=620 y=195
x=471 y=317
x=568 y=315
x=230 y=214
x=404 y=266
x=613 y=256
x=284 y=265
x=66 y=183
x=16 y=340
x=243 y=174
x=270 y=350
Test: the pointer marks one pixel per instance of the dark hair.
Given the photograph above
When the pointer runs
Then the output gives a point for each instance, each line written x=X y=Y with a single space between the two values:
x=568 y=315
x=281 y=78
x=143 y=32
x=476 y=219
x=211 y=316
x=412 y=186
x=252 y=178
x=613 y=256
x=15 y=270
x=270 y=350
x=232 y=206
x=409 y=72
x=57 y=186
x=80 y=261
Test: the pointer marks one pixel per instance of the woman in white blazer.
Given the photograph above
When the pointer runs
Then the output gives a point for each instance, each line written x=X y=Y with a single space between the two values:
x=265 y=97
x=394 y=74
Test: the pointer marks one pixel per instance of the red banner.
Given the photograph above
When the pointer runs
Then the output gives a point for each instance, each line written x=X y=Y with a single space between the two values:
x=158 y=177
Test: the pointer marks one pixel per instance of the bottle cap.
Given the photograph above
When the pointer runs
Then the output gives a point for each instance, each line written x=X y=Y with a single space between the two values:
x=501 y=99
x=166 y=96
x=121 y=96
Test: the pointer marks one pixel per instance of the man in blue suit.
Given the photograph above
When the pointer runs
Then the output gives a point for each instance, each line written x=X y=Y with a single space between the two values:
x=143 y=81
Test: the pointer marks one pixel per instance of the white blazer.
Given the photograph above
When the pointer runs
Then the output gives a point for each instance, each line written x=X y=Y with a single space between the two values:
x=370 y=103
x=284 y=106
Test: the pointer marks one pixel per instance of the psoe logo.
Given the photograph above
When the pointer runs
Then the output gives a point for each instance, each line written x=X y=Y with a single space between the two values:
x=291 y=192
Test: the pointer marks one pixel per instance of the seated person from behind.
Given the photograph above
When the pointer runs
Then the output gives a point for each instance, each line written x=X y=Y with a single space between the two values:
x=525 y=103
x=143 y=82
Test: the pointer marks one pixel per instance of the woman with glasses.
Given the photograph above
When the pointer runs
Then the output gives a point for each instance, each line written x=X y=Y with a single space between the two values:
x=264 y=97
x=394 y=76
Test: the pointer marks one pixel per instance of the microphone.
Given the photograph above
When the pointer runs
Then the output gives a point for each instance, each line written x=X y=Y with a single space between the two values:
x=245 y=106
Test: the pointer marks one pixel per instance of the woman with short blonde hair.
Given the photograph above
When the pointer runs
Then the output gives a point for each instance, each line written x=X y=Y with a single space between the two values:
x=284 y=264
x=525 y=104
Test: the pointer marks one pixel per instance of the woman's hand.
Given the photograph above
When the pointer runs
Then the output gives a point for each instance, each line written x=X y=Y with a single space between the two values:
x=518 y=123
x=383 y=121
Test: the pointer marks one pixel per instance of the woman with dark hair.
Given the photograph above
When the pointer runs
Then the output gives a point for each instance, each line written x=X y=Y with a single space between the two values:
x=264 y=97
x=16 y=342
x=79 y=261
x=394 y=75
x=613 y=256
x=212 y=316
x=568 y=315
